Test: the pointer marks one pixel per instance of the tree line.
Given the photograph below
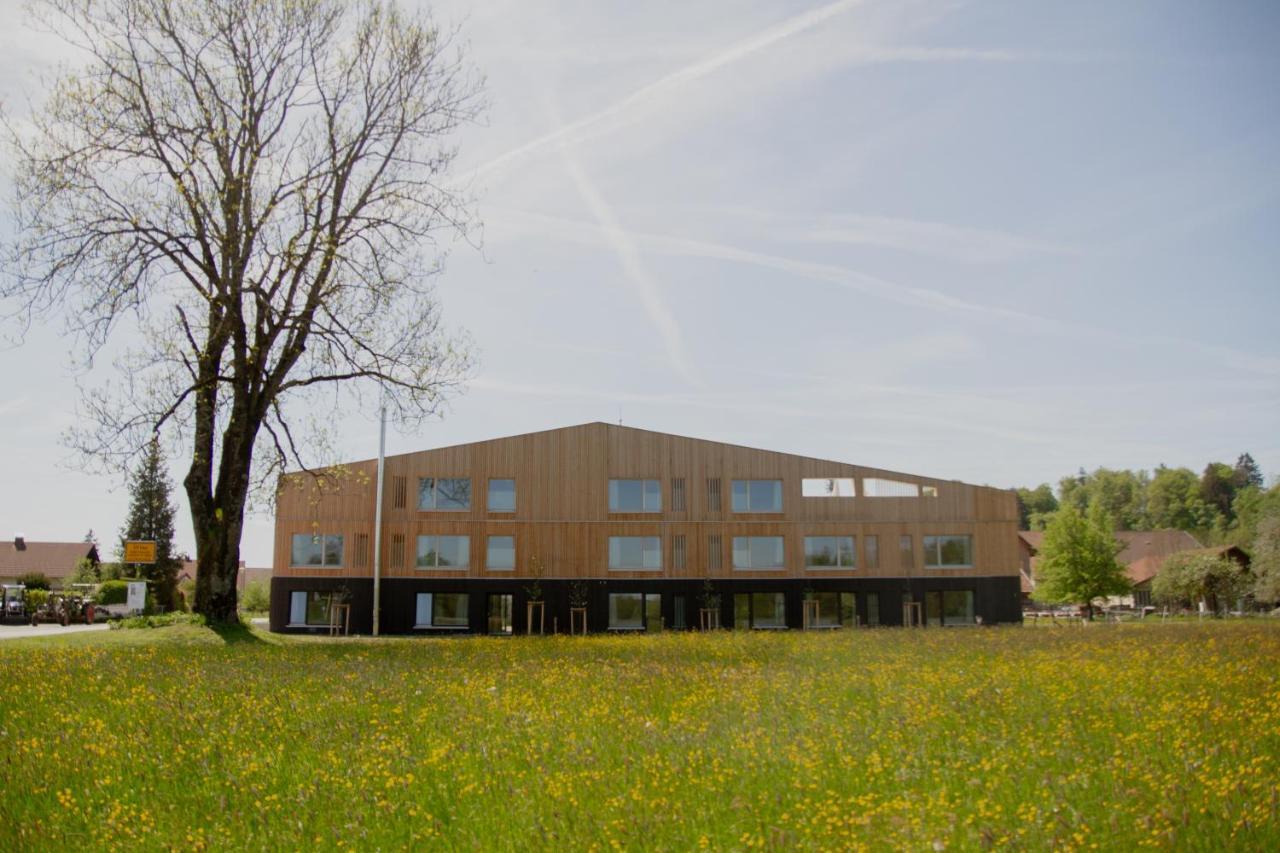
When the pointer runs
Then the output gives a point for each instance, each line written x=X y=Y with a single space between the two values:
x=1223 y=505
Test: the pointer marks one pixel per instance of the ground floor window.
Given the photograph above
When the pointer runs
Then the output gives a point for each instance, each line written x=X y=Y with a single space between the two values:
x=760 y=610
x=834 y=610
x=635 y=611
x=309 y=607
x=873 y=609
x=442 y=610
x=500 y=614
x=949 y=607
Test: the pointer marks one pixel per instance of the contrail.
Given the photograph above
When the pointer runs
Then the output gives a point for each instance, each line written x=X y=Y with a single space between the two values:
x=675 y=79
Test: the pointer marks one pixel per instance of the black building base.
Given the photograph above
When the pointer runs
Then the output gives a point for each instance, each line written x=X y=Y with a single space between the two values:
x=878 y=601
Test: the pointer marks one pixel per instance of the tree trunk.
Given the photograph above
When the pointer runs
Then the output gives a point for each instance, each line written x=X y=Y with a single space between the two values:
x=218 y=564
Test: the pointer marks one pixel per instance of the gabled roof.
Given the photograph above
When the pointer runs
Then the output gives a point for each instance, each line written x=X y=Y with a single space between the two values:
x=620 y=429
x=54 y=559
x=1146 y=568
x=1137 y=543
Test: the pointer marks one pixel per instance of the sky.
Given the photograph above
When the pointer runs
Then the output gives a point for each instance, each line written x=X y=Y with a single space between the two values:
x=987 y=241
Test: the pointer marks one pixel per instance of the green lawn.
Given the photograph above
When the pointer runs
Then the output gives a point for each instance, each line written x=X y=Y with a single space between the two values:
x=1108 y=736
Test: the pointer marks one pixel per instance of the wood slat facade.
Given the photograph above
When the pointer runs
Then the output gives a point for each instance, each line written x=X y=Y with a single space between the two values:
x=562 y=514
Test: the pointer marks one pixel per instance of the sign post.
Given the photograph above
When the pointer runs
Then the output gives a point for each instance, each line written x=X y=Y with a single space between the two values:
x=139 y=552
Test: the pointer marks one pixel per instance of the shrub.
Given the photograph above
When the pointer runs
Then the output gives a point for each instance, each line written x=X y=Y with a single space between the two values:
x=256 y=597
x=157 y=621
x=35 y=580
x=113 y=592
x=36 y=598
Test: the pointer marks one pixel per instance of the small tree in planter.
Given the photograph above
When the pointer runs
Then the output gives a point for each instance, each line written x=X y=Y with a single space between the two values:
x=709 y=615
x=809 y=618
x=534 y=593
x=579 y=597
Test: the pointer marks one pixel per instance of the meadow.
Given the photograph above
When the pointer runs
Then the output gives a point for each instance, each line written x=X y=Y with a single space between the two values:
x=1110 y=737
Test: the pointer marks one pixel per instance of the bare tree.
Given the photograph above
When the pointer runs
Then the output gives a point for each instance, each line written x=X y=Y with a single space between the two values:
x=259 y=186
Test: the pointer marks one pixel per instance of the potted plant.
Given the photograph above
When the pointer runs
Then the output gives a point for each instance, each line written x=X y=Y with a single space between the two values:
x=709 y=615
x=533 y=593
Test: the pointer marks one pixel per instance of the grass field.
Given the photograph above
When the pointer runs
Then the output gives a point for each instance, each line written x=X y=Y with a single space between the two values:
x=1110 y=737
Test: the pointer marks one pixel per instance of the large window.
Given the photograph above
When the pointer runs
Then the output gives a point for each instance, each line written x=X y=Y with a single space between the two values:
x=635 y=553
x=948 y=552
x=442 y=610
x=502 y=496
x=317 y=550
x=757 y=496
x=758 y=553
x=829 y=487
x=950 y=607
x=635 y=496
x=451 y=494
x=834 y=610
x=500 y=614
x=760 y=610
x=829 y=552
x=501 y=553
x=444 y=552
x=309 y=608
x=635 y=611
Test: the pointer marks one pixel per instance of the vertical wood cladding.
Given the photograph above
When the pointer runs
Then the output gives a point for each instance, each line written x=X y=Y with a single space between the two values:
x=562 y=513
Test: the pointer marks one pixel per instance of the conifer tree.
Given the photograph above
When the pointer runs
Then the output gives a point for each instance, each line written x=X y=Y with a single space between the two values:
x=151 y=513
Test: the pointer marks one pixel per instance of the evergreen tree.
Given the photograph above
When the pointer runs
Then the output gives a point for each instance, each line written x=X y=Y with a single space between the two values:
x=151 y=514
x=1078 y=559
x=1247 y=472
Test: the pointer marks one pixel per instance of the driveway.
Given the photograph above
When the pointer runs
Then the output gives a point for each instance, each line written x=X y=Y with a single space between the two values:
x=13 y=632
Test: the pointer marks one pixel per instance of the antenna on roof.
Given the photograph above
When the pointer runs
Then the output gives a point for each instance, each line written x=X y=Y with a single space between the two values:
x=619 y=416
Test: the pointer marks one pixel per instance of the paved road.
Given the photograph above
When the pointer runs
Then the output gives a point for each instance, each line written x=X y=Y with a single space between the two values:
x=13 y=632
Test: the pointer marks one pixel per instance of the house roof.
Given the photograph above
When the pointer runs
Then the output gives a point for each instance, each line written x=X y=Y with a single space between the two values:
x=1146 y=568
x=1143 y=553
x=54 y=559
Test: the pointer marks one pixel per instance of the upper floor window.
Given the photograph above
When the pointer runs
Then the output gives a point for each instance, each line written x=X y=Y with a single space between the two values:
x=757 y=496
x=444 y=493
x=829 y=487
x=877 y=487
x=444 y=552
x=758 y=552
x=502 y=496
x=948 y=552
x=501 y=553
x=829 y=552
x=635 y=496
x=637 y=553
x=314 y=549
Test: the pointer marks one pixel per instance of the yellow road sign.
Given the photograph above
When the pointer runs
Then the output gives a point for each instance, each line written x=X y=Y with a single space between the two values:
x=139 y=552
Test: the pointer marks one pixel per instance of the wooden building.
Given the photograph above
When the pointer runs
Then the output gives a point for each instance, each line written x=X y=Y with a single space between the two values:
x=638 y=530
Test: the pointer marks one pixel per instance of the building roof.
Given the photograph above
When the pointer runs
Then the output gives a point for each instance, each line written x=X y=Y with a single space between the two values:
x=1146 y=568
x=1143 y=553
x=53 y=559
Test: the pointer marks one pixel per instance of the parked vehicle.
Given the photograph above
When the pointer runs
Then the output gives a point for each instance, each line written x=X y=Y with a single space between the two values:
x=13 y=604
x=64 y=609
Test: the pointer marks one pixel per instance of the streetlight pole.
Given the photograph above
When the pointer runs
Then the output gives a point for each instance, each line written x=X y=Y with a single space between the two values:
x=377 y=517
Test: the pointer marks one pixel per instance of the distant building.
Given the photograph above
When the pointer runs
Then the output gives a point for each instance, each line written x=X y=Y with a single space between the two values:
x=1143 y=553
x=246 y=575
x=54 y=560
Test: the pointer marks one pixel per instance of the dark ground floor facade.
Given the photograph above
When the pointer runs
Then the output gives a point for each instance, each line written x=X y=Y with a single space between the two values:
x=443 y=606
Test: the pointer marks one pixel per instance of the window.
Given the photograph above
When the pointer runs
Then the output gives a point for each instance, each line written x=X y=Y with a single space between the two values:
x=873 y=487
x=317 y=550
x=501 y=553
x=757 y=496
x=760 y=610
x=635 y=611
x=502 y=496
x=635 y=496
x=444 y=552
x=831 y=487
x=442 y=610
x=951 y=607
x=636 y=553
x=835 y=610
x=906 y=551
x=873 y=609
x=948 y=552
x=871 y=549
x=928 y=491
x=309 y=607
x=500 y=614
x=758 y=553
x=829 y=552
x=713 y=494
x=450 y=494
